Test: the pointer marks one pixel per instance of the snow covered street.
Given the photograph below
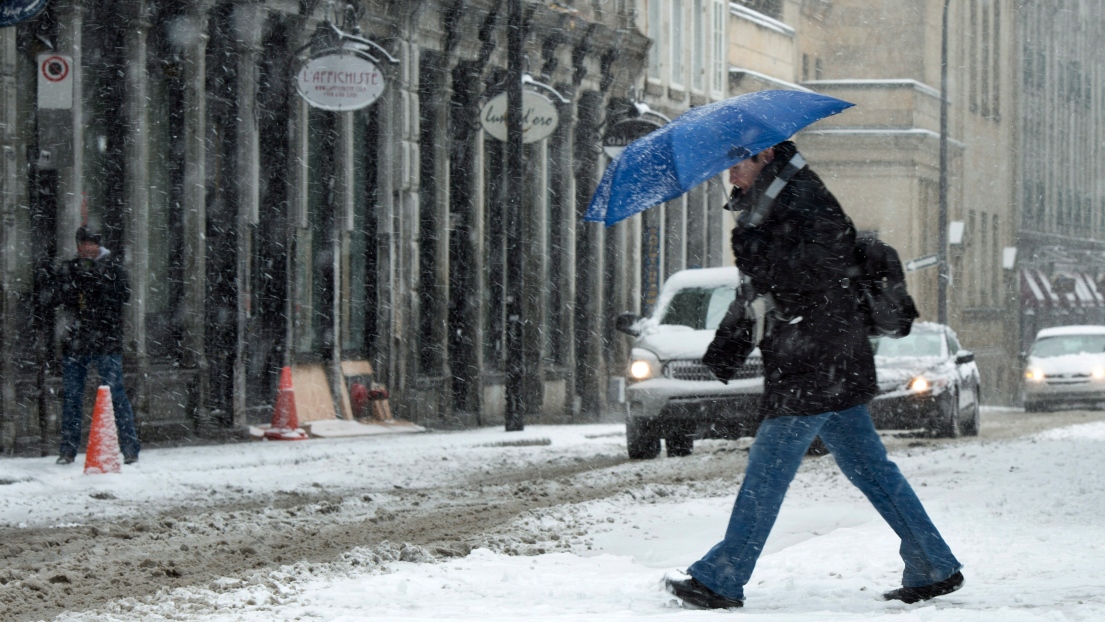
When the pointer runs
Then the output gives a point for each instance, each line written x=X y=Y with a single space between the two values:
x=549 y=524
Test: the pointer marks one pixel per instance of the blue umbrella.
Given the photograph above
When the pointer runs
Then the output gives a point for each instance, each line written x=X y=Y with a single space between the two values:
x=699 y=144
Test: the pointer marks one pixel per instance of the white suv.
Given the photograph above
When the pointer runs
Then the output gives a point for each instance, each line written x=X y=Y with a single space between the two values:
x=1065 y=367
x=670 y=394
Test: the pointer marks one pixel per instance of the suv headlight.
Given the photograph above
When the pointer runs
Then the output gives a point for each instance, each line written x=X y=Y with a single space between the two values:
x=1034 y=374
x=643 y=365
x=925 y=383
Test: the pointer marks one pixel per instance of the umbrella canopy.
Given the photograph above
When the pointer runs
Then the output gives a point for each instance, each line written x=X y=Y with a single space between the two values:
x=699 y=144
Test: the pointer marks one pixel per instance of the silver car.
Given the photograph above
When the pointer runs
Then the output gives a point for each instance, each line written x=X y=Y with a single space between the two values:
x=926 y=380
x=670 y=394
x=1065 y=367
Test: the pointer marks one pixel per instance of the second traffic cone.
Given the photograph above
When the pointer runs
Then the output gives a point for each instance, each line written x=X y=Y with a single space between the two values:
x=285 y=423
x=103 y=440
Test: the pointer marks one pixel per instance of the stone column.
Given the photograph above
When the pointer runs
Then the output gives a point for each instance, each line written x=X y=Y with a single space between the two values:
x=399 y=159
x=297 y=220
x=590 y=366
x=247 y=22
x=535 y=280
x=467 y=281
x=343 y=225
x=13 y=184
x=618 y=268
x=70 y=187
x=564 y=277
x=717 y=235
x=193 y=307
x=675 y=236
x=136 y=192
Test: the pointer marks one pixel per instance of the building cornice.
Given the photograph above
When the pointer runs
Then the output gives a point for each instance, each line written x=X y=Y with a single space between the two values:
x=877 y=84
x=905 y=132
x=760 y=19
x=736 y=74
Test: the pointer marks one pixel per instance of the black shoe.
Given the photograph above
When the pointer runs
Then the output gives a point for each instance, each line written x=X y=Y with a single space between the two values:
x=130 y=459
x=911 y=595
x=65 y=459
x=698 y=596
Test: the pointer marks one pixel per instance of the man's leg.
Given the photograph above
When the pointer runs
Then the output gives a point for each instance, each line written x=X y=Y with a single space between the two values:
x=73 y=372
x=858 y=450
x=110 y=367
x=773 y=460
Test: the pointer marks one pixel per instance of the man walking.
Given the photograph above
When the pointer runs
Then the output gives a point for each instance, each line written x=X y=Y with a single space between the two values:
x=819 y=374
x=93 y=289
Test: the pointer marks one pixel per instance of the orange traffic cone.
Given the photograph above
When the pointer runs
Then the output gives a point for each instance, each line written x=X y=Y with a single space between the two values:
x=103 y=440
x=285 y=423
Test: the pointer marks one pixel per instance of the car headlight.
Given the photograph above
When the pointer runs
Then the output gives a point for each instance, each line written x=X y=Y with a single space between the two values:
x=1034 y=374
x=923 y=384
x=643 y=365
x=1098 y=373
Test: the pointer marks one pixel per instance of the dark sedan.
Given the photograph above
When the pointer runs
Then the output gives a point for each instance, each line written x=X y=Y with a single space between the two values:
x=926 y=381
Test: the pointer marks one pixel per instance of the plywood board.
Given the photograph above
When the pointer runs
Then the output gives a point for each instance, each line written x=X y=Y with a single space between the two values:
x=356 y=368
x=313 y=399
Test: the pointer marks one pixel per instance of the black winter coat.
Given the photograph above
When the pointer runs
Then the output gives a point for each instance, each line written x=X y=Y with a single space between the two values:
x=817 y=357
x=93 y=292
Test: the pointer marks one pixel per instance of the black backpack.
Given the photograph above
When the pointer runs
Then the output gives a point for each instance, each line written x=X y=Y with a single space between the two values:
x=887 y=307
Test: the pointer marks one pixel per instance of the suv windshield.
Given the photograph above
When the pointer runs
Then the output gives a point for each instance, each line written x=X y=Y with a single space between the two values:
x=917 y=343
x=701 y=308
x=1068 y=344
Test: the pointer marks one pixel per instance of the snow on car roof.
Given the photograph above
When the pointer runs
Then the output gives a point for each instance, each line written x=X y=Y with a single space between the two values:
x=1071 y=330
x=703 y=277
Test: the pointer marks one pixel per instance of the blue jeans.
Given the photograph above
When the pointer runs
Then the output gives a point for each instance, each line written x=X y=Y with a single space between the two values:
x=74 y=369
x=772 y=462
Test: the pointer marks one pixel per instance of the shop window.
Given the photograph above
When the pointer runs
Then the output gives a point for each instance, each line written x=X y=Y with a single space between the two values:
x=165 y=93
x=363 y=296
x=654 y=33
x=316 y=242
x=698 y=53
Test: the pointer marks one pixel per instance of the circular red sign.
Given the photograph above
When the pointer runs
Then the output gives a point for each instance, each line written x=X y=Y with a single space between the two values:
x=55 y=68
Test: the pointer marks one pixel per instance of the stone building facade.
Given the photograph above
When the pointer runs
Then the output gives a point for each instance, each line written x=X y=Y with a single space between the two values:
x=260 y=232
x=1061 y=229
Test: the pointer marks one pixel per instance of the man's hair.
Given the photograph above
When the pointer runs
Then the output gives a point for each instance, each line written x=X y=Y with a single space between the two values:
x=87 y=234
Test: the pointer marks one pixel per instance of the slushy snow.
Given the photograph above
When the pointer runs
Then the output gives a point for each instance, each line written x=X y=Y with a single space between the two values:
x=1025 y=517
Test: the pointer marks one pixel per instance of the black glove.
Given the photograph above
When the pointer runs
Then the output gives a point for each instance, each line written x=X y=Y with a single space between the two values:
x=733 y=341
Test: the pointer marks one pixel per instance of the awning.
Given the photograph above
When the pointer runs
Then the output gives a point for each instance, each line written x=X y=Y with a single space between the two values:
x=1064 y=301
x=1092 y=284
x=1083 y=292
x=1036 y=290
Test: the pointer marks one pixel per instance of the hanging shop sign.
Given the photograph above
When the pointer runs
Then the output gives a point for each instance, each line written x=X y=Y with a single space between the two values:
x=620 y=134
x=340 y=82
x=14 y=12
x=539 y=117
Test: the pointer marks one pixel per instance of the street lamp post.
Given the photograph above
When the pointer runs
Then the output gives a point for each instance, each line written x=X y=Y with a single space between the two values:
x=515 y=356
x=942 y=278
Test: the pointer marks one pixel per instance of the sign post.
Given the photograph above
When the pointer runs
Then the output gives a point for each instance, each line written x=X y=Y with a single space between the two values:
x=922 y=262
